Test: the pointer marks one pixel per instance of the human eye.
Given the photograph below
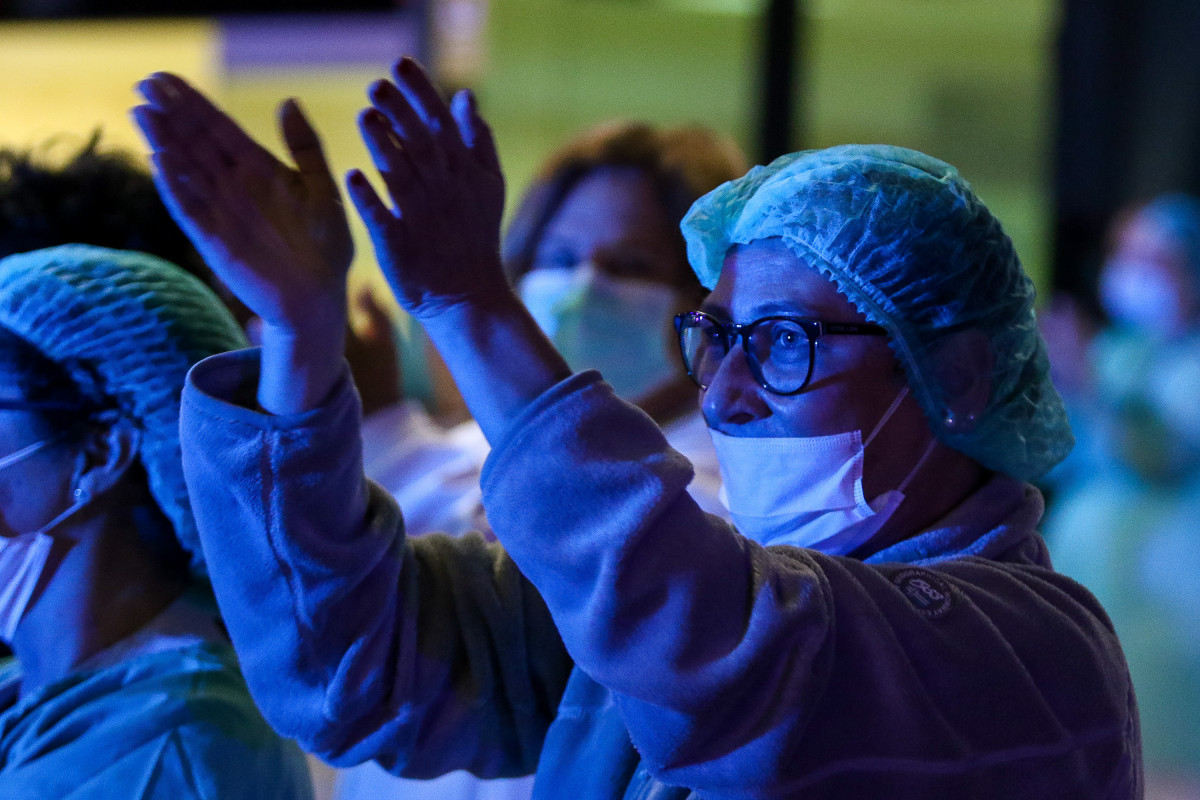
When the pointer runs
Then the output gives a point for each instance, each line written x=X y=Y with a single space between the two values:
x=785 y=340
x=787 y=335
x=628 y=264
x=713 y=335
x=555 y=258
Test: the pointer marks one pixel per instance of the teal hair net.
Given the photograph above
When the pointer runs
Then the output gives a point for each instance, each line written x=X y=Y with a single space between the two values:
x=912 y=247
x=133 y=323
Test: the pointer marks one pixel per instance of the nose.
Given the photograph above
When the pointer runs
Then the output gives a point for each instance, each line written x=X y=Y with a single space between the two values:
x=733 y=397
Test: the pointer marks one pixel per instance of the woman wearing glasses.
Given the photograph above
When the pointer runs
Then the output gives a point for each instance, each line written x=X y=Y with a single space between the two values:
x=645 y=649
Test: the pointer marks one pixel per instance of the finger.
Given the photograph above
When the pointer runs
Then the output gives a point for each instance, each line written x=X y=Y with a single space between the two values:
x=183 y=106
x=422 y=95
x=200 y=153
x=474 y=130
x=188 y=120
x=396 y=108
x=157 y=91
x=388 y=155
x=185 y=192
x=374 y=213
x=305 y=148
x=153 y=126
x=195 y=118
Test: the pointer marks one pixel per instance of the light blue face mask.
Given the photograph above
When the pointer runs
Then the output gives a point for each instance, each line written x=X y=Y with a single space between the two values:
x=23 y=557
x=615 y=325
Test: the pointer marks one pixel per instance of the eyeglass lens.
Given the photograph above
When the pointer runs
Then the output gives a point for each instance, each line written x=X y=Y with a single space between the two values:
x=779 y=351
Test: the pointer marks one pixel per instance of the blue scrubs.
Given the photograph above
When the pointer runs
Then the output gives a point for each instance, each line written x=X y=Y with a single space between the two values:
x=175 y=724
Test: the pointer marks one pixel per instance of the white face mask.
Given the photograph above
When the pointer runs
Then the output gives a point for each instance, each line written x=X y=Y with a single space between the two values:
x=614 y=325
x=806 y=491
x=23 y=557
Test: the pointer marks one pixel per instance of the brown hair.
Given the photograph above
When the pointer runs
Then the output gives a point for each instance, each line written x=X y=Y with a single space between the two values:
x=683 y=163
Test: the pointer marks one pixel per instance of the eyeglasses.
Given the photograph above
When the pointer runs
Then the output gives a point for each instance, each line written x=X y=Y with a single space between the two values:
x=780 y=351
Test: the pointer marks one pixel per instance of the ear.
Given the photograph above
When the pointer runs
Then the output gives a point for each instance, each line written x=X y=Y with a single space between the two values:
x=964 y=362
x=107 y=456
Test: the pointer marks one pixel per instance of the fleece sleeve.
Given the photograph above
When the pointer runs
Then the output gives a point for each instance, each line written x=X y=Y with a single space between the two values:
x=744 y=671
x=427 y=655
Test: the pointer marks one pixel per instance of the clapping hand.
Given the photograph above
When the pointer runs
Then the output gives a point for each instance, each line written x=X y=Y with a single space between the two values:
x=276 y=235
x=439 y=244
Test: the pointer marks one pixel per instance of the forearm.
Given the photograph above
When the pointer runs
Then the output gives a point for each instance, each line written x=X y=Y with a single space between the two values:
x=354 y=641
x=498 y=356
x=731 y=662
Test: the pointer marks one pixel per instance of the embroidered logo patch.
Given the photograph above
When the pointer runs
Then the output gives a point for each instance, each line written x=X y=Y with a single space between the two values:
x=928 y=593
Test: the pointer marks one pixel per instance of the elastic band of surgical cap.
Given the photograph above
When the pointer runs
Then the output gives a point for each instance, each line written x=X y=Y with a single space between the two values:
x=128 y=325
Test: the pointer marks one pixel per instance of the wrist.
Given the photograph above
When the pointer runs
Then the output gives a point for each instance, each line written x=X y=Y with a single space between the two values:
x=499 y=358
x=299 y=366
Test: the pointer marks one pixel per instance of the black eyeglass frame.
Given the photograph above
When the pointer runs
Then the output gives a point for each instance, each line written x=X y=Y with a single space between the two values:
x=732 y=331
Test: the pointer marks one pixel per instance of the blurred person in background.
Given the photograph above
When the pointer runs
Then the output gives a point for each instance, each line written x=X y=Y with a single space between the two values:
x=1125 y=520
x=124 y=682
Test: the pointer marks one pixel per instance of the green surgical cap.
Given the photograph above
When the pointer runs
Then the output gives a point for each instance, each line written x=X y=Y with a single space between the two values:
x=904 y=237
x=136 y=322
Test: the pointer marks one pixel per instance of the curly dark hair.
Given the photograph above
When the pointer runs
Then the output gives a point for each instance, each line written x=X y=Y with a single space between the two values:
x=97 y=196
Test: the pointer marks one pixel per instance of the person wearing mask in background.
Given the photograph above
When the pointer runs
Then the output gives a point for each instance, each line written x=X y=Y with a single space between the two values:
x=885 y=623
x=124 y=682
x=595 y=253
x=1123 y=521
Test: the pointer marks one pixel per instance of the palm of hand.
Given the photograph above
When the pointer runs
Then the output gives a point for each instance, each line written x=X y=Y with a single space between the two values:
x=276 y=235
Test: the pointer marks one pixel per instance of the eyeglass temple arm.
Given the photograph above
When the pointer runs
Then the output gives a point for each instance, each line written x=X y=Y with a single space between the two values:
x=855 y=328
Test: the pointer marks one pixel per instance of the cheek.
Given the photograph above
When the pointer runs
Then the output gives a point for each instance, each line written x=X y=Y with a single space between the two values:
x=30 y=497
x=847 y=393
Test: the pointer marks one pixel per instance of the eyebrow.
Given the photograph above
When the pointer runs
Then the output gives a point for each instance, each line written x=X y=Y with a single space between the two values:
x=769 y=309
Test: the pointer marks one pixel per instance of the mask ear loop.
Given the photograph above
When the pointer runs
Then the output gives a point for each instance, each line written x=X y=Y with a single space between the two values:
x=920 y=463
x=887 y=415
x=28 y=450
x=82 y=498
x=928 y=448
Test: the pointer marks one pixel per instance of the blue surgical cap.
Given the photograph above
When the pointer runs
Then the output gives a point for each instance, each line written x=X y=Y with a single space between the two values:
x=135 y=322
x=906 y=240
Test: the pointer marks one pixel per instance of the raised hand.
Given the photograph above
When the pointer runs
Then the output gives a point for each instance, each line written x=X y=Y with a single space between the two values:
x=276 y=235
x=439 y=245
